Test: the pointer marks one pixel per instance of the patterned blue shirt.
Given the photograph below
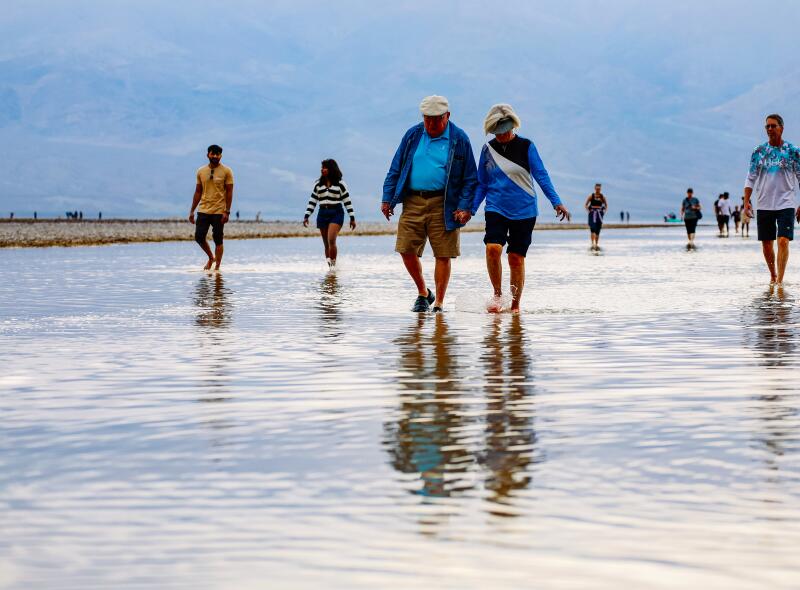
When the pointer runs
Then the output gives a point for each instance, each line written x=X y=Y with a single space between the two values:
x=429 y=165
x=774 y=176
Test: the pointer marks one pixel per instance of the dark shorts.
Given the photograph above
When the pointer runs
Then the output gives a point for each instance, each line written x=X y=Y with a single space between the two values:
x=328 y=215
x=517 y=232
x=691 y=225
x=595 y=223
x=203 y=222
x=726 y=219
x=779 y=222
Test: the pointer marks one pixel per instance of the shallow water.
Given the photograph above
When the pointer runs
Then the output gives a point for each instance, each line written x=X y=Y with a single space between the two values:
x=279 y=426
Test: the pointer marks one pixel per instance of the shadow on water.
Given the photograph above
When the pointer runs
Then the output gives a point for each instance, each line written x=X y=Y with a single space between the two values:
x=448 y=436
x=329 y=305
x=773 y=333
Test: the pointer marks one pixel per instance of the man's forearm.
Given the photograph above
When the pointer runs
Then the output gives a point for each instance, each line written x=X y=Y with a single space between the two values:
x=748 y=193
x=195 y=201
x=229 y=200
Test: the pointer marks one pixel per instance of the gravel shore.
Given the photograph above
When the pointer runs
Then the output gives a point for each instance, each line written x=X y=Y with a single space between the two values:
x=42 y=233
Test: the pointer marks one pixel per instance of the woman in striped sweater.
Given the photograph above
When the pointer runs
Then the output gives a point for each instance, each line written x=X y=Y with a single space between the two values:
x=331 y=193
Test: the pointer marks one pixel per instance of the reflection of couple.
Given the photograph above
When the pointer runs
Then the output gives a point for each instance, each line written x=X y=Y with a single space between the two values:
x=433 y=432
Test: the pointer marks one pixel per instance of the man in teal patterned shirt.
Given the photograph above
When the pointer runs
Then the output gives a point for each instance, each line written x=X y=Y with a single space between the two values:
x=774 y=176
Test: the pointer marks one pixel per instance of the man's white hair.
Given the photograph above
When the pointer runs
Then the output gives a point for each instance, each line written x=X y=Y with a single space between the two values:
x=496 y=114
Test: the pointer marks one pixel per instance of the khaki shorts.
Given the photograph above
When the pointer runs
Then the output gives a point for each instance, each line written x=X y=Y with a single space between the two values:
x=423 y=219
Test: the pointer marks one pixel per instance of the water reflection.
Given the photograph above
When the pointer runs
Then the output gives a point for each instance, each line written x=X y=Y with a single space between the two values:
x=773 y=333
x=211 y=300
x=329 y=305
x=213 y=317
x=452 y=439
x=429 y=434
x=510 y=436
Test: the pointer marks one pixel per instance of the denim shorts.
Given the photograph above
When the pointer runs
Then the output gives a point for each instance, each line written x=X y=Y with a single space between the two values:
x=328 y=215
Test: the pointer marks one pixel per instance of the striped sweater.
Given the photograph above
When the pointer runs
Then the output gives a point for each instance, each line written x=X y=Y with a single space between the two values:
x=335 y=194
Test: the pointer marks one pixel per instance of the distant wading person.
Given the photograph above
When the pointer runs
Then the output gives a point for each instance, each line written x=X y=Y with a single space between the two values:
x=433 y=174
x=746 y=217
x=506 y=171
x=214 y=194
x=774 y=175
x=597 y=206
x=331 y=193
x=725 y=215
x=691 y=214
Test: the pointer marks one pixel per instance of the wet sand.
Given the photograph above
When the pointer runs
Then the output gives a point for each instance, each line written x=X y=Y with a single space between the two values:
x=61 y=232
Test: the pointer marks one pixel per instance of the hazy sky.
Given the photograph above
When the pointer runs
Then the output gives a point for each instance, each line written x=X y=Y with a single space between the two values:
x=110 y=105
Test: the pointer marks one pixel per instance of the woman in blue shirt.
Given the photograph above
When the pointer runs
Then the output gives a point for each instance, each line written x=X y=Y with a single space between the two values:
x=508 y=166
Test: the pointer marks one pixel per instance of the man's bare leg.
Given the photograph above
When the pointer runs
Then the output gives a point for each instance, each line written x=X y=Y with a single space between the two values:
x=414 y=267
x=517 y=265
x=218 y=255
x=783 y=257
x=494 y=267
x=768 y=248
x=207 y=249
x=441 y=276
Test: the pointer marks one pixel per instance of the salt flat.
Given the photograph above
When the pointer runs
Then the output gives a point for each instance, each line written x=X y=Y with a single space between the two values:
x=278 y=425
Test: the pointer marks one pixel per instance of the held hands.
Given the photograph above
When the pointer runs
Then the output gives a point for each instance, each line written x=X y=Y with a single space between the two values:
x=387 y=211
x=562 y=213
x=462 y=216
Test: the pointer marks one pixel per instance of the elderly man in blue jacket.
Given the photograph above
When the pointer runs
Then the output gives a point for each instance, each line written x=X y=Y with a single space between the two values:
x=433 y=174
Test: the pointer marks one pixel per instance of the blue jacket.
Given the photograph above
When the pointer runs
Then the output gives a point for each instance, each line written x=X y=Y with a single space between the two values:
x=462 y=174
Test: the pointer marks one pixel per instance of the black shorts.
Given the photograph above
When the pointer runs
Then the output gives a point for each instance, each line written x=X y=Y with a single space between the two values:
x=517 y=232
x=595 y=223
x=203 y=222
x=771 y=222
x=691 y=225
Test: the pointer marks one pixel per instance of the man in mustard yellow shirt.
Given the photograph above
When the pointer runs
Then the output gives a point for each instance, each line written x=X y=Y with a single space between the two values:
x=214 y=194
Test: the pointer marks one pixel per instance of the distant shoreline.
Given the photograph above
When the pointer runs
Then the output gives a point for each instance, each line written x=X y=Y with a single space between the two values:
x=43 y=233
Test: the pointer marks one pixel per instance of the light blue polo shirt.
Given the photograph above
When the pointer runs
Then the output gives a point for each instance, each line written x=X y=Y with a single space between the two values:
x=429 y=164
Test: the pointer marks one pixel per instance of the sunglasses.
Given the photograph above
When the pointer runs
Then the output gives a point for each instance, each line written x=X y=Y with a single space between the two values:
x=771 y=126
x=212 y=174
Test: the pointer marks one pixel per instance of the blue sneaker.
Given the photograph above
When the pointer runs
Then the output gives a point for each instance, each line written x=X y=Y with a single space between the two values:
x=423 y=303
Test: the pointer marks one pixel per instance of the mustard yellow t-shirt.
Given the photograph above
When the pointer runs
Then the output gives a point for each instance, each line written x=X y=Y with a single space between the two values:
x=213 y=181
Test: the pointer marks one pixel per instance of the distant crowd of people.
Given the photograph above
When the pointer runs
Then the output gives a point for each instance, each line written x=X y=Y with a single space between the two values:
x=724 y=214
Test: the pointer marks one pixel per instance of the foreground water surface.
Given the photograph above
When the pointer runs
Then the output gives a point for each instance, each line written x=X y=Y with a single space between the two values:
x=279 y=426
